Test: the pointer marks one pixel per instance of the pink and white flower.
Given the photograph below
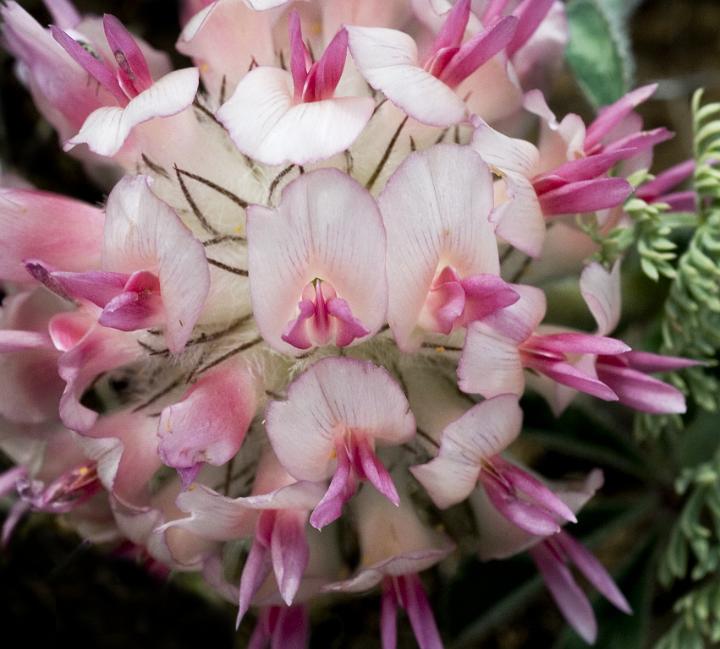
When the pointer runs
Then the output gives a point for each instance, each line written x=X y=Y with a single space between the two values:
x=470 y=452
x=275 y=116
x=500 y=539
x=395 y=547
x=209 y=423
x=143 y=282
x=577 y=186
x=316 y=264
x=324 y=238
x=430 y=90
x=617 y=127
x=499 y=348
x=275 y=516
x=63 y=232
x=627 y=374
x=443 y=268
x=335 y=415
x=129 y=81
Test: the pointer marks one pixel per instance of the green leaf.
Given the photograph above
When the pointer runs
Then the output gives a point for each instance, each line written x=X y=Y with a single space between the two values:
x=598 y=52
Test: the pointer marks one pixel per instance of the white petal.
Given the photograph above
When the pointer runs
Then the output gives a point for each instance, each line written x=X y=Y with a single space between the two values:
x=265 y=123
x=482 y=432
x=106 y=129
x=502 y=152
x=144 y=233
x=388 y=60
x=601 y=291
x=213 y=516
x=520 y=220
x=490 y=363
x=436 y=210
x=326 y=226
x=335 y=396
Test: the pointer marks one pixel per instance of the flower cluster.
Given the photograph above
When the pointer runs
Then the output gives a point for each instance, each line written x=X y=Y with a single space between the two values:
x=311 y=299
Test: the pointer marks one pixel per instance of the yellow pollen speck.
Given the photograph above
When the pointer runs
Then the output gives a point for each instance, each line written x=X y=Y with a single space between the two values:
x=333 y=454
x=439 y=349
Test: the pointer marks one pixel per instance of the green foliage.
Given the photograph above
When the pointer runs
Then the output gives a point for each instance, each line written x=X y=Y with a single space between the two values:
x=698 y=620
x=691 y=327
x=599 y=50
x=656 y=250
x=694 y=546
x=650 y=232
x=691 y=319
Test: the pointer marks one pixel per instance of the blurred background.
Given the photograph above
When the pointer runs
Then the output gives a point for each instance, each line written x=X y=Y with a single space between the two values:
x=55 y=589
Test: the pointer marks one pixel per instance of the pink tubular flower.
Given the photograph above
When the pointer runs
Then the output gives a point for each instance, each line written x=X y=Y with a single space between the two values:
x=335 y=414
x=275 y=516
x=470 y=451
x=42 y=62
x=500 y=346
x=55 y=477
x=395 y=547
x=443 y=263
x=499 y=538
x=617 y=127
x=63 y=13
x=534 y=53
x=388 y=59
x=63 y=232
x=608 y=132
x=316 y=264
x=276 y=116
x=124 y=445
x=627 y=374
x=572 y=187
x=66 y=492
x=281 y=626
x=659 y=189
x=210 y=421
x=87 y=350
x=30 y=387
x=551 y=558
x=129 y=82
x=143 y=282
